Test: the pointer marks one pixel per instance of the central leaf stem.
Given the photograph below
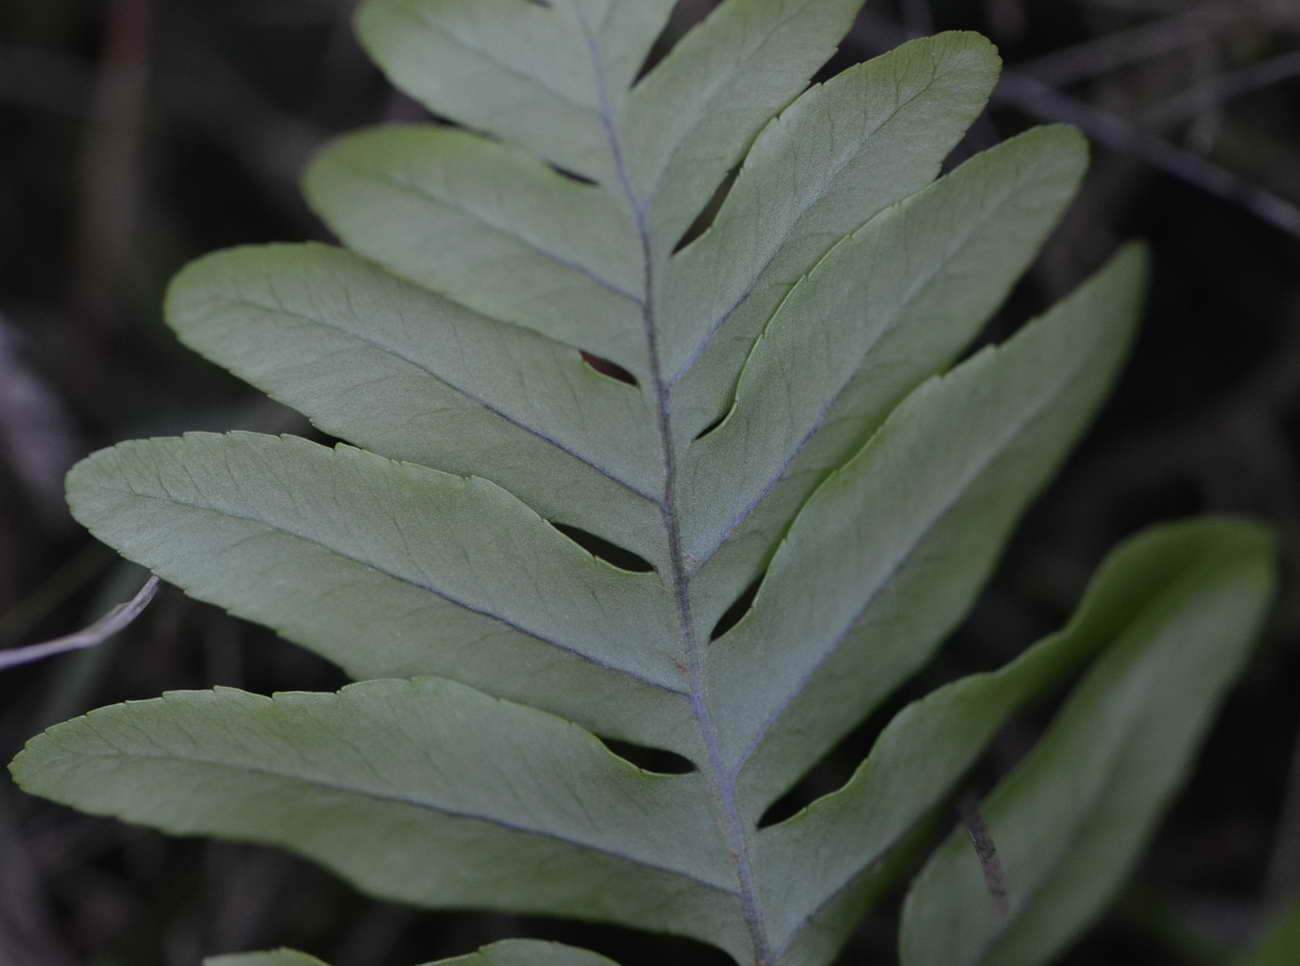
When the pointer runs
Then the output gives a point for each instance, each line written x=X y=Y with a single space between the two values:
x=721 y=782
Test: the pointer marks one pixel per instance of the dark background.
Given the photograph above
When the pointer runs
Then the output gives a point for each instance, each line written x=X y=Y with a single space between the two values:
x=138 y=134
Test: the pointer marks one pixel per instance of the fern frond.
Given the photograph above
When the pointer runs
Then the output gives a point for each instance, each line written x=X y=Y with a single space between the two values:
x=784 y=287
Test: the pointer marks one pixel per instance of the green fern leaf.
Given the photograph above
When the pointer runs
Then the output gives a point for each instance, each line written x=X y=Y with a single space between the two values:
x=1069 y=821
x=507 y=953
x=784 y=284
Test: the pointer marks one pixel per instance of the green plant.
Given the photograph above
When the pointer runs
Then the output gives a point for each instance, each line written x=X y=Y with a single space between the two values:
x=774 y=419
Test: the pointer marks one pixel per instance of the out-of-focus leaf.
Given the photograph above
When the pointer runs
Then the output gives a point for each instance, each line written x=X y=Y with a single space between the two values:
x=1070 y=821
x=1280 y=943
x=510 y=952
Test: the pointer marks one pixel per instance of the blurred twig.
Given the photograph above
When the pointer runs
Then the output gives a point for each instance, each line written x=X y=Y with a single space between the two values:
x=986 y=850
x=1045 y=102
x=273 y=143
x=108 y=625
x=1207 y=119
x=210 y=94
x=67 y=580
x=1223 y=87
x=111 y=162
x=1123 y=47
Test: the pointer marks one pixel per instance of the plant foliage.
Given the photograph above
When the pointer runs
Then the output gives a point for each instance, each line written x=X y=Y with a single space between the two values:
x=782 y=283
x=519 y=952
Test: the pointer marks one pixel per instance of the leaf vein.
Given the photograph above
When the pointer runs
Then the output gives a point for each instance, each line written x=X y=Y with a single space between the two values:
x=937 y=267
x=419 y=803
x=408 y=187
x=716 y=325
x=473 y=397
x=443 y=595
x=992 y=454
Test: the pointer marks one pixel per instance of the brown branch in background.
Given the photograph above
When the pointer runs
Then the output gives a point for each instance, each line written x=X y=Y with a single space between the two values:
x=1223 y=87
x=1043 y=101
x=1207 y=118
x=110 y=167
x=986 y=851
x=275 y=145
x=98 y=632
x=1125 y=47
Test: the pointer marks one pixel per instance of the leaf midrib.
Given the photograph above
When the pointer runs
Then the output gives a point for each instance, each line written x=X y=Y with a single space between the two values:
x=380 y=569
x=401 y=799
x=731 y=826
